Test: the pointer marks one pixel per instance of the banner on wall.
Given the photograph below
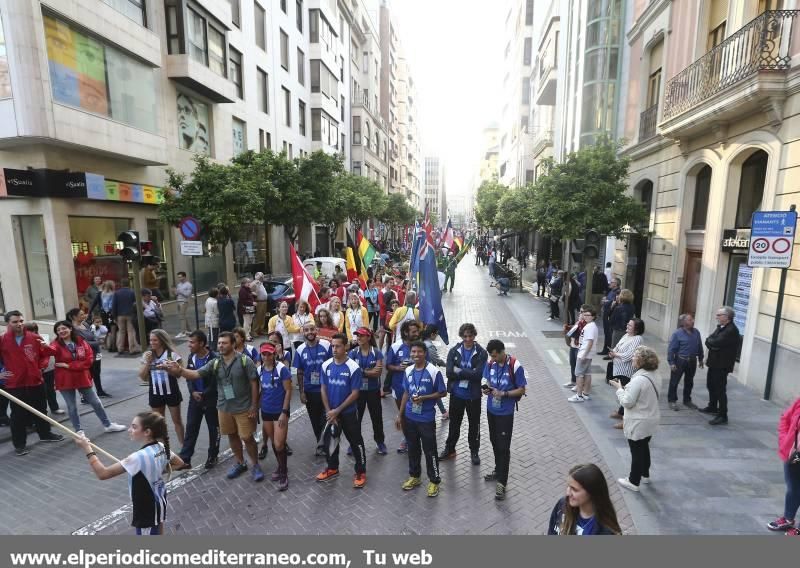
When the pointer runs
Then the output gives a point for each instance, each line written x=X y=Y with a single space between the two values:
x=55 y=183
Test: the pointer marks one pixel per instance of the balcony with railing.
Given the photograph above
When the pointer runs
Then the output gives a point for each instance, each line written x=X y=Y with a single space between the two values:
x=647 y=123
x=541 y=138
x=359 y=100
x=736 y=77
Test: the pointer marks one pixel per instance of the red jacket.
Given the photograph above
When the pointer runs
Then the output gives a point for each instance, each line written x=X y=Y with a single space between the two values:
x=788 y=427
x=78 y=376
x=23 y=360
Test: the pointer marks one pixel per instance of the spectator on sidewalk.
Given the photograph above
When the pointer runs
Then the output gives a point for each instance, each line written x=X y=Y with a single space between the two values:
x=183 y=293
x=227 y=310
x=163 y=384
x=150 y=279
x=541 y=279
x=78 y=319
x=556 y=291
x=622 y=359
x=583 y=362
x=789 y=452
x=123 y=312
x=48 y=366
x=587 y=509
x=622 y=313
x=640 y=399
x=212 y=318
x=102 y=306
x=246 y=307
x=684 y=355
x=91 y=294
x=608 y=305
x=723 y=347
x=152 y=311
x=262 y=305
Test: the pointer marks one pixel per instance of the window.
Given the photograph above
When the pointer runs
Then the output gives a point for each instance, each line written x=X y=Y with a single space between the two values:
x=323 y=81
x=283 y=7
x=316 y=124
x=134 y=9
x=291 y=152
x=357 y=168
x=261 y=26
x=5 y=78
x=194 y=131
x=716 y=36
x=299 y=15
x=262 y=135
x=235 y=71
x=216 y=51
x=313 y=25
x=653 y=88
x=301 y=67
x=526 y=90
x=263 y=90
x=526 y=52
x=88 y=74
x=528 y=12
x=284 y=50
x=285 y=147
x=354 y=53
x=37 y=265
x=287 y=106
x=206 y=44
x=342 y=109
x=343 y=141
x=356 y=130
x=529 y=176
x=236 y=13
x=173 y=34
x=751 y=188
x=266 y=140
x=702 y=189
x=301 y=116
x=239 y=137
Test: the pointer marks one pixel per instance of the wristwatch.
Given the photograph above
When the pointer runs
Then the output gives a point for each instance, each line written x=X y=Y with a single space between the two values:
x=285 y=411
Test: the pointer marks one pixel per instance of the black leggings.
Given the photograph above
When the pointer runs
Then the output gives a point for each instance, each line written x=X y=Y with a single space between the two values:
x=371 y=400
x=640 y=460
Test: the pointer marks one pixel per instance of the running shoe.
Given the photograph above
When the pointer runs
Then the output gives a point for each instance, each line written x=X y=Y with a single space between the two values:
x=793 y=532
x=446 y=415
x=276 y=475
x=382 y=451
x=499 y=492
x=359 y=480
x=114 y=427
x=411 y=483
x=576 y=398
x=22 y=451
x=283 y=484
x=257 y=474
x=568 y=385
x=447 y=454
x=433 y=489
x=490 y=476
x=51 y=438
x=237 y=470
x=327 y=474
x=476 y=459
x=626 y=483
x=211 y=462
x=780 y=524
x=403 y=447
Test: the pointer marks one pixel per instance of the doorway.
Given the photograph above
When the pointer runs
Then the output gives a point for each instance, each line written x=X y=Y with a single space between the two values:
x=636 y=270
x=691 y=282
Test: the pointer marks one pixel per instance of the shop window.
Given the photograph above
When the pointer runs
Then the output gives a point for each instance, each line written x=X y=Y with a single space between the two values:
x=250 y=252
x=193 y=125
x=751 y=188
x=94 y=250
x=702 y=190
x=37 y=266
x=88 y=74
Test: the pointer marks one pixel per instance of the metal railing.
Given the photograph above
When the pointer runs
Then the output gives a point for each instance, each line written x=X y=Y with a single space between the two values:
x=763 y=44
x=360 y=100
x=647 y=123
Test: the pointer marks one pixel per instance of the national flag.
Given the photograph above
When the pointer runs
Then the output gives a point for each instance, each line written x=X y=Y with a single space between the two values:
x=459 y=242
x=305 y=287
x=366 y=251
x=416 y=243
x=350 y=262
x=430 y=292
x=448 y=235
x=359 y=274
x=464 y=249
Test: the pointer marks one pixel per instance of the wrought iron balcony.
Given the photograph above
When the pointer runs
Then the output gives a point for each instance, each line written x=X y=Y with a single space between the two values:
x=647 y=123
x=761 y=45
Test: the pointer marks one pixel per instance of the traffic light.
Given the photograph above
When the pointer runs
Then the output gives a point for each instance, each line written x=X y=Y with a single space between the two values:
x=128 y=242
x=587 y=248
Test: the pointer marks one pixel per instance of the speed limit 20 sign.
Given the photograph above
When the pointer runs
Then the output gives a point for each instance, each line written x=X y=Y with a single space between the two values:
x=772 y=239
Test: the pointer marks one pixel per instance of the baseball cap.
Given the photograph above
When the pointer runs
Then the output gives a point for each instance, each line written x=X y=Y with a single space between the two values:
x=363 y=331
x=267 y=347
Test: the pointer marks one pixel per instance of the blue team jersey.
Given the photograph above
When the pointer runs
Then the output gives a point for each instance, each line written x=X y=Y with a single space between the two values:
x=340 y=381
x=310 y=360
x=500 y=378
x=461 y=388
x=422 y=381
x=366 y=362
x=398 y=352
x=272 y=391
x=195 y=362
x=253 y=353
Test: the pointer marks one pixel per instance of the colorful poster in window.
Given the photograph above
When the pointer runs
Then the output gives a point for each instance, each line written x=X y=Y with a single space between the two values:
x=193 y=125
x=741 y=298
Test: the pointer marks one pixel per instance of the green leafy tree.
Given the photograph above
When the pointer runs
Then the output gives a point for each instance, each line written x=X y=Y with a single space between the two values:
x=487 y=200
x=397 y=212
x=213 y=194
x=364 y=198
x=588 y=190
x=514 y=210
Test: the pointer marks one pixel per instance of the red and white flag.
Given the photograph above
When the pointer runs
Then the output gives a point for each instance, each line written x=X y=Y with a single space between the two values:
x=448 y=236
x=305 y=288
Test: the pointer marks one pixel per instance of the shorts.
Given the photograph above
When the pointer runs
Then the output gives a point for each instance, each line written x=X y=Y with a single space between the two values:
x=161 y=400
x=270 y=416
x=237 y=423
x=582 y=367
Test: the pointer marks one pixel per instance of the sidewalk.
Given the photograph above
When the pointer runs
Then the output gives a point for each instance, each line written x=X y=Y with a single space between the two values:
x=725 y=479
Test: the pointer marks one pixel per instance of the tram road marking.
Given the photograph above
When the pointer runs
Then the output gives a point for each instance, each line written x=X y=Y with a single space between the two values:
x=504 y=333
x=555 y=355
x=182 y=479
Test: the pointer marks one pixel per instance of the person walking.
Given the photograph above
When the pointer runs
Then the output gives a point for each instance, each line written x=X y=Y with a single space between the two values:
x=123 y=312
x=308 y=360
x=246 y=307
x=202 y=403
x=640 y=399
x=789 y=452
x=465 y=364
x=237 y=401
x=423 y=385
x=398 y=359
x=212 y=318
x=583 y=359
x=504 y=383
x=541 y=279
x=341 y=382
x=262 y=305
x=183 y=293
x=622 y=360
x=450 y=273
x=276 y=394
x=370 y=361
x=163 y=385
x=21 y=353
x=226 y=309
x=74 y=359
x=723 y=348
x=586 y=510
x=684 y=355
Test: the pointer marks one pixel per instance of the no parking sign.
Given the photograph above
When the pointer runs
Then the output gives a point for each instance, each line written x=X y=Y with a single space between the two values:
x=772 y=239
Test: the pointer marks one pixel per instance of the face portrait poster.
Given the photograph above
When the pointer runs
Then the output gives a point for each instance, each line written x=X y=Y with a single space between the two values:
x=193 y=126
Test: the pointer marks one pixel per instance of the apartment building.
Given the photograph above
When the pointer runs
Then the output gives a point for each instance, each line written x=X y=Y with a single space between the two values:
x=712 y=129
x=98 y=98
x=435 y=194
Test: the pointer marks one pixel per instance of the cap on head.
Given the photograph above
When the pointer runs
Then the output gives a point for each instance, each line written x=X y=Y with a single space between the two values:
x=363 y=331
x=267 y=348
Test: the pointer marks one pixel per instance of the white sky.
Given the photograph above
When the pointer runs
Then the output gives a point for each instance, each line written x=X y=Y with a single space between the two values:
x=455 y=49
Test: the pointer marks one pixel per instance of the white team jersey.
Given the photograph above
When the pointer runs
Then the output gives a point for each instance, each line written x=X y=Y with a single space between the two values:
x=147 y=489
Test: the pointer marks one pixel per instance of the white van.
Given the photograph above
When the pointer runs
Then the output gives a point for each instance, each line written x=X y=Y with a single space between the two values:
x=329 y=264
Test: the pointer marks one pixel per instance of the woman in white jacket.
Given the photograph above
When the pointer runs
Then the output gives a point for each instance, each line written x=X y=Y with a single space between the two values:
x=640 y=399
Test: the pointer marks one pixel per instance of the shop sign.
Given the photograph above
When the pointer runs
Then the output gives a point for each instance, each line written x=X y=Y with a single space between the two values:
x=19 y=182
x=736 y=240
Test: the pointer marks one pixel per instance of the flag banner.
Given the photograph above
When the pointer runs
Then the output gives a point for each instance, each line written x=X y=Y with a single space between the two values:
x=413 y=265
x=465 y=248
x=448 y=235
x=305 y=287
x=360 y=271
x=350 y=262
x=365 y=249
x=430 y=292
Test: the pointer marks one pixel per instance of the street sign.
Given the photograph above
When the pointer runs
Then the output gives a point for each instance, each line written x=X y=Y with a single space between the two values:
x=772 y=239
x=192 y=248
x=190 y=228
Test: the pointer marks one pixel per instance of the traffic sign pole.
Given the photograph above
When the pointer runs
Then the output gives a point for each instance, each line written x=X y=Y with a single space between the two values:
x=194 y=287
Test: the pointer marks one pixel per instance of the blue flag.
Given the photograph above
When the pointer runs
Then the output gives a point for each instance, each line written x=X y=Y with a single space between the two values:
x=430 y=294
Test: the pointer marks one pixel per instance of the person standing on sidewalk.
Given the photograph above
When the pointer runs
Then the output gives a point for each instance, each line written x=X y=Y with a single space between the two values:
x=262 y=305
x=183 y=293
x=541 y=279
x=556 y=291
x=212 y=318
x=308 y=360
x=78 y=319
x=622 y=313
x=162 y=384
x=237 y=401
x=276 y=394
x=202 y=403
x=423 y=385
x=684 y=355
x=246 y=307
x=640 y=399
x=583 y=361
x=341 y=383
x=226 y=308
x=504 y=383
x=465 y=364
x=123 y=312
x=608 y=305
x=789 y=452
x=622 y=360
x=723 y=347
x=370 y=361
x=21 y=352
x=91 y=294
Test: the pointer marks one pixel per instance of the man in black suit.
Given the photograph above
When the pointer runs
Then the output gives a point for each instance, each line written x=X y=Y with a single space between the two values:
x=723 y=346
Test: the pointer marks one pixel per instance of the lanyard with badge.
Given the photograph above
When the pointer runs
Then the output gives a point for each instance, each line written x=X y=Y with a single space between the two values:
x=466 y=363
x=227 y=386
x=364 y=363
x=416 y=407
x=497 y=402
x=314 y=361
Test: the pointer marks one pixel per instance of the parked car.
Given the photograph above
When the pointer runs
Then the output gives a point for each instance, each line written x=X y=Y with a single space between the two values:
x=280 y=290
x=329 y=264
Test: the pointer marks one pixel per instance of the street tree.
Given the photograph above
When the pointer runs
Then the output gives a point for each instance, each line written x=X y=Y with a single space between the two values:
x=487 y=200
x=212 y=193
x=364 y=197
x=514 y=210
x=397 y=212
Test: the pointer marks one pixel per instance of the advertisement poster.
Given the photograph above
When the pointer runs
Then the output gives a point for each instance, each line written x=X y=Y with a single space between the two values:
x=741 y=301
x=193 y=125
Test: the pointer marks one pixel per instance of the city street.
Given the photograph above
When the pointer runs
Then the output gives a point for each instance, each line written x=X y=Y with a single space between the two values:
x=705 y=480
